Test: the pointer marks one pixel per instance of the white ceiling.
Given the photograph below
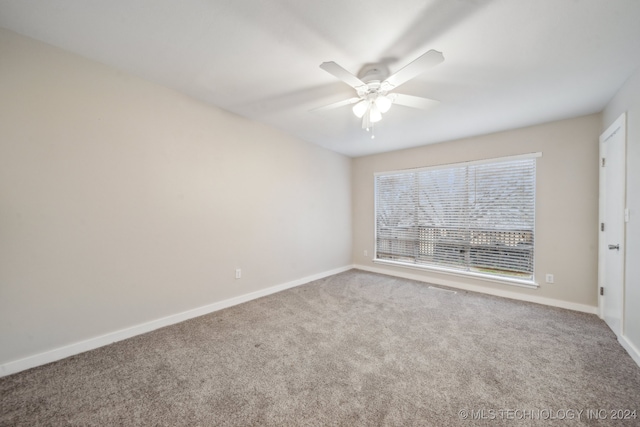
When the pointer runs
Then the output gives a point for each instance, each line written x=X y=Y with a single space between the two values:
x=508 y=63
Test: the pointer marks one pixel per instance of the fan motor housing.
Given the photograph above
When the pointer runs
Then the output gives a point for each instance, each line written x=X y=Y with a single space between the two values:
x=372 y=72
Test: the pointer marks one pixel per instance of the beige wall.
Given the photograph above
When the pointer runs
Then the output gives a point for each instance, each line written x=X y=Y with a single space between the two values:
x=628 y=100
x=122 y=201
x=566 y=202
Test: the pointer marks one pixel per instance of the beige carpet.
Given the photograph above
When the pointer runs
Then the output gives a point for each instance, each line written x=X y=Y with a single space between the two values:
x=353 y=349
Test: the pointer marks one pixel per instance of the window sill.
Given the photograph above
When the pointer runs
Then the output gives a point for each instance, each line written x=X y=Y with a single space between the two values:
x=531 y=284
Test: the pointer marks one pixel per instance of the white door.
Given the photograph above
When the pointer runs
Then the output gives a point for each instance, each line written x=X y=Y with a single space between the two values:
x=612 y=225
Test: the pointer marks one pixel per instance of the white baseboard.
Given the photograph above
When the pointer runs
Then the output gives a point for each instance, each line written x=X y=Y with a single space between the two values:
x=484 y=290
x=631 y=349
x=106 y=339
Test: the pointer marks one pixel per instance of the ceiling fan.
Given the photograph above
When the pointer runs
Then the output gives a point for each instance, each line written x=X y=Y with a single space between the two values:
x=374 y=86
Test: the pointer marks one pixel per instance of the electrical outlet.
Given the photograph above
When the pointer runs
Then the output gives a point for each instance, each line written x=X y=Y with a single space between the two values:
x=366 y=253
x=238 y=273
x=549 y=278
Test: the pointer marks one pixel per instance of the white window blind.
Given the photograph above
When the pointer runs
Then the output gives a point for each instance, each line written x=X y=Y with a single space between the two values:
x=476 y=217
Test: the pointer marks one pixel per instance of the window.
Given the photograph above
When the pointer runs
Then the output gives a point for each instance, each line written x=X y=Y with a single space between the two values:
x=475 y=217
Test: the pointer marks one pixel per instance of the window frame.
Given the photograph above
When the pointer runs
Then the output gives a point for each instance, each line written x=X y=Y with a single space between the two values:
x=528 y=282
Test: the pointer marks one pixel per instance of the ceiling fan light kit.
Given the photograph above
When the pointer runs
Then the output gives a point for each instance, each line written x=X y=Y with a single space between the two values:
x=383 y=103
x=374 y=83
x=360 y=108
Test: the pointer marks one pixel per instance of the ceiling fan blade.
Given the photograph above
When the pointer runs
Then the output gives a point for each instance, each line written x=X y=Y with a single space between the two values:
x=413 y=101
x=418 y=66
x=336 y=105
x=339 y=72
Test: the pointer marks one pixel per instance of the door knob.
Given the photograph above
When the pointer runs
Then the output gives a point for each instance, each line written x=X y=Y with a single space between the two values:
x=616 y=247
